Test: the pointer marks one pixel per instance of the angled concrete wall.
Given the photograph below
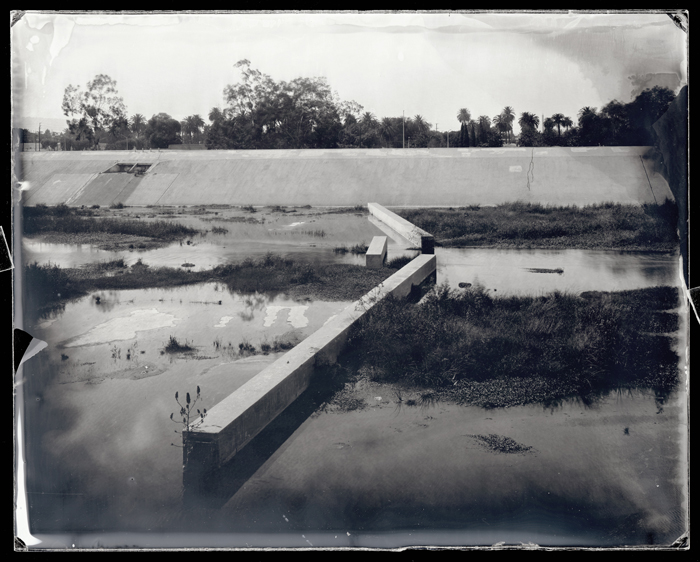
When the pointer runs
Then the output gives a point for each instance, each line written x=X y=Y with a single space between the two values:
x=417 y=236
x=391 y=177
x=238 y=418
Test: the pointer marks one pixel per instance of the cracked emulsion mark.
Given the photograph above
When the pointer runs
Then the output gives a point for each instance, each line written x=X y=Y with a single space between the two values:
x=531 y=170
x=295 y=316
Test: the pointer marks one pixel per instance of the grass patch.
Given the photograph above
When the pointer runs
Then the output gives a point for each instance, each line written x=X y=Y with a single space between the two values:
x=502 y=351
x=174 y=346
x=48 y=286
x=63 y=219
x=398 y=262
x=357 y=249
x=514 y=225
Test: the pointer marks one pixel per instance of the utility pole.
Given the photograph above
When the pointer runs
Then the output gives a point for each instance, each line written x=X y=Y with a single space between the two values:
x=39 y=136
x=403 y=129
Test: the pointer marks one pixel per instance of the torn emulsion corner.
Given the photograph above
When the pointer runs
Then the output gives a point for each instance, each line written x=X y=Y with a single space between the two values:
x=25 y=347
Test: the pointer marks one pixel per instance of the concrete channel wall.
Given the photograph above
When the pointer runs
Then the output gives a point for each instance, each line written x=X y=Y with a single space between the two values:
x=238 y=418
x=435 y=177
x=409 y=231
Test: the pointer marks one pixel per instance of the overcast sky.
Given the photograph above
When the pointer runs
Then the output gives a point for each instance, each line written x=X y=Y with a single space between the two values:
x=427 y=64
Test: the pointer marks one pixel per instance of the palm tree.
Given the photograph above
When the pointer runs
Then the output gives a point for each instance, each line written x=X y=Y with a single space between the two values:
x=558 y=120
x=585 y=112
x=508 y=116
x=528 y=121
x=499 y=121
x=484 y=127
x=215 y=114
x=138 y=124
x=464 y=116
x=421 y=124
x=549 y=123
x=387 y=129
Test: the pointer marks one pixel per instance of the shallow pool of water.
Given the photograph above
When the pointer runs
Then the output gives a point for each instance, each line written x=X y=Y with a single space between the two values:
x=312 y=240
x=542 y=271
x=116 y=333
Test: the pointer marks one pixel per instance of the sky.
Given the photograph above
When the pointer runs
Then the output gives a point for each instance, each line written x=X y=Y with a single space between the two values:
x=430 y=64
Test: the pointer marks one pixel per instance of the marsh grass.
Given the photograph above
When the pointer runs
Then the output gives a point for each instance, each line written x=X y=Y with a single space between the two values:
x=174 y=346
x=47 y=286
x=398 y=262
x=64 y=219
x=498 y=351
x=357 y=249
x=600 y=226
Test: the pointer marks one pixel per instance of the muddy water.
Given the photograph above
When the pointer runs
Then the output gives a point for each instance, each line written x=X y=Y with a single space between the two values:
x=609 y=474
x=101 y=458
x=543 y=271
x=312 y=238
x=123 y=334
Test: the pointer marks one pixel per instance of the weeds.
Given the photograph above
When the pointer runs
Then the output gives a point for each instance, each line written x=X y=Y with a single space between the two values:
x=219 y=230
x=174 y=346
x=358 y=249
x=601 y=226
x=190 y=420
x=509 y=350
x=398 y=262
x=47 y=286
x=61 y=218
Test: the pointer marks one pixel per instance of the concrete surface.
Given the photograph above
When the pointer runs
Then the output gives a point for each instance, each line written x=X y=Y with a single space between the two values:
x=376 y=253
x=391 y=177
x=416 y=236
x=238 y=418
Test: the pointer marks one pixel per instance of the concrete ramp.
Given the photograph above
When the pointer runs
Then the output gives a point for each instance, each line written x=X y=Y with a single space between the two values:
x=391 y=177
x=59 y=188
x=104 y=189
x=151 y=189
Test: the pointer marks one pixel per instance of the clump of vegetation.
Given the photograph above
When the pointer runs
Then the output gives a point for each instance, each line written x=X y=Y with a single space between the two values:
x=501 y=444
x=398 y=262
x=532 y=225
x=219 y=230
x=47 y=286
x=42 y=219
x=119 y=205
x=189 y=418
x=357 y=249
x=246 y=348
x=248 y=208
x=500 y=351
x=174 y=346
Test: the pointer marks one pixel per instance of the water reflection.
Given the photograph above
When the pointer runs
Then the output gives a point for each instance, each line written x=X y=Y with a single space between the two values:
x=526 y=271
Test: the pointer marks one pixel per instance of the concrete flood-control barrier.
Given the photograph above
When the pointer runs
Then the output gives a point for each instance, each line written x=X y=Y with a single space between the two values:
x=435 y=177
x=376 y=253
x=410 y=232
x=238 y=418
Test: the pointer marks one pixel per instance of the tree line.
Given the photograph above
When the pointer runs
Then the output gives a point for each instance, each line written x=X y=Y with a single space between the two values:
x=261 y=113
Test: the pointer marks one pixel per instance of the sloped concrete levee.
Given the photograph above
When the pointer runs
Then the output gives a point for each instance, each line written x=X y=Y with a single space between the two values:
x=238 y=418
x=436 y=177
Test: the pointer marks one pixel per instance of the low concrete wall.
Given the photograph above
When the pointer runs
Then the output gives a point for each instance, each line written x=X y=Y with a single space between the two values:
x=376 y=253
x=238 y=418
x=411 y=232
